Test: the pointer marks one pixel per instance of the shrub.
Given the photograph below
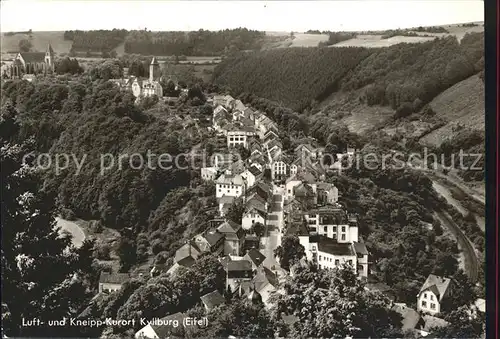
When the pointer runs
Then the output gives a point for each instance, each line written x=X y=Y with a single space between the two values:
x=102 y=252
x=68 y=214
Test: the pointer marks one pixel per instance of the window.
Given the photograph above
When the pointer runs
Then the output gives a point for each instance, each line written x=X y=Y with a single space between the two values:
x=319 y=258
x=425 y=295
x=325 y=229
x=424 y=303
x=349 y=262
x=343 y=228
x=336 y=262
x=433 y=306
x=343 y=236
x=432 y=297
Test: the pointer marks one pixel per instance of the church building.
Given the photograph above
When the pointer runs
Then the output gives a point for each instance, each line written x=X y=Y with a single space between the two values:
x=32 y=63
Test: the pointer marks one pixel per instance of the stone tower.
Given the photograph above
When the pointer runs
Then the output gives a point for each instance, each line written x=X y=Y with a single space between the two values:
x=154 y=70
x=49 y=58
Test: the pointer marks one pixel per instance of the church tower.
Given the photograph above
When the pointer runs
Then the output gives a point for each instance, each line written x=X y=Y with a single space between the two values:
x=154 y=70
x=49 y=58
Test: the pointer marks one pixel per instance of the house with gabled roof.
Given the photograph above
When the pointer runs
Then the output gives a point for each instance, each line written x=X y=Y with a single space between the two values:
x=434 y=290
x=230 y=185
x=187 y=254
x=255 y=212
x=110 y=282
x=305 y=151
x=270 y=136
x=255 y=257
x=238 y=271
x=212 y=300
x=225 y=202
x=210 y=241
x=252 y=175
x=234 y=237
x=327 y=193
x=262 y=189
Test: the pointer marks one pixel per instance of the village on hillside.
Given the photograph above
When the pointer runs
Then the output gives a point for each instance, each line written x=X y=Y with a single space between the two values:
x=281 y=194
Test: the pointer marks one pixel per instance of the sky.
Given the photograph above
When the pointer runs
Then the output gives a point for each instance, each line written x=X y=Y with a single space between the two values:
x=297 y=16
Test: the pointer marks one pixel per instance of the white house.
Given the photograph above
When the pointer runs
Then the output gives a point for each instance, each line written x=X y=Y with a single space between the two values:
x=332 y=239
x=238 y=137
x=432 y=293
x=110 y=282
x=230 y=185
x=224 y=100
x=208 y=173
x=251 y=175
x=278 y=169
x=252 y=216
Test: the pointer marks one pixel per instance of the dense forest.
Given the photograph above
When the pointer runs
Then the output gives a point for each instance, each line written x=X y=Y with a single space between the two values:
x=195 y=43
x=95 y=41
x=294 y=77
x=403 y=74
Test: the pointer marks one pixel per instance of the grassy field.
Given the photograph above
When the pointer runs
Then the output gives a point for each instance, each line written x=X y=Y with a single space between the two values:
x=298 y=40
x=358 y=117
x=463 y=104
x=375 y=40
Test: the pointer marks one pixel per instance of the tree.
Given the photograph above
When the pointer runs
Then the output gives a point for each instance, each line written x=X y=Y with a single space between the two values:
x=461 y=325
x=289 y=252
x=259 y=229
x=464 y=293
x=31 y=248
x=25 y=45
x=127 y=253
x=334 y=303
x=240 y=318
x=235 y=212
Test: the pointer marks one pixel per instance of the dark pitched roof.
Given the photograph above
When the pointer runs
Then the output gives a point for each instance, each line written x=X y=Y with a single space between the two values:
x=239 y=265
x=33 y=56
x=263 y=277
x=212 y=299
x=360 y=248
x=303 y=190
x=255 y=256
x=189 y=250
x=213 y=237
x=113 y=278
x=410 y=316
x=229 y=226
x=255 y=171
x=431 y=321
x=331 y=246
x=437 y=285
